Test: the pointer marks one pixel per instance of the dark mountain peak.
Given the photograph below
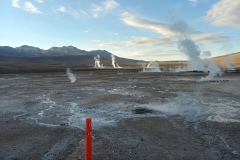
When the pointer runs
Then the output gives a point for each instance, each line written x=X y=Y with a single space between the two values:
x=6 y=47
x=6 y=50
x=53 y=48
x=98 y=50
x=66 y=50
x=27 y=47
x=65 y=55
x=26 y=50
x=70 y=46
x=102 y=53
x=64 y=47
x=29 y=50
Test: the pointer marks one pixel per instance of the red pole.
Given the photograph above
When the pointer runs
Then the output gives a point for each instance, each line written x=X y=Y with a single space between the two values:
x=88 y=138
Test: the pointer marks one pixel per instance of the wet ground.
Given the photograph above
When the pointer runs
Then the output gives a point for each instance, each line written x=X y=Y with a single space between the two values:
x=135 y=115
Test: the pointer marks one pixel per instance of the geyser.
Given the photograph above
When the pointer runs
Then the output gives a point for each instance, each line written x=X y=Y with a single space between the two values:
x=113 y=61
x=151 y=67
x=97 y=62
x=191 y=50
x=71 y=76
x=114 y=64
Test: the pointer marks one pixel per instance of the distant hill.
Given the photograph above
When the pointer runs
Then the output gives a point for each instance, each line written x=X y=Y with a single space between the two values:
x=26 y=51
x=34 y=59
x=230 y=59
x=65 y=50
x=225 y=61
x=68 y=55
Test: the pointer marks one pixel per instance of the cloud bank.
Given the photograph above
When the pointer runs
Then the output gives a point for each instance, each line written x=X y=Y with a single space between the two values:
x=61 y=9
x=15 y=3
x=27 y=6
x=225 y=13
x=205 y=38
x=39 y=1
x=158 y=27
x=103 y=8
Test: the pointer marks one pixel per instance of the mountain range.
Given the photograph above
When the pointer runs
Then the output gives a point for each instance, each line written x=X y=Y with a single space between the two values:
x=25 y=50
x=33 y=59
x=67 y=55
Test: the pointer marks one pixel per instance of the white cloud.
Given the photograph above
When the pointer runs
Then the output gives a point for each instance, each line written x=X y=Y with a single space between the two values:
x=170 y=34
x=205 y=54
x=192 y=0
x=39 y=1
x=95 y=40
x=151 y=54
x=61 y=9
x=158 y=27
x=28 y=6
x=69 y=10
x=225 y=13
x=143 y=41
x=110 y=4
x=75 y=13
x=15 y=3
x=83 y=12
x=111 y=44
x=114 y=33
x=212 y=38
x=146 y=41
x=95 y=10
x=207 y=38
x=105 y=7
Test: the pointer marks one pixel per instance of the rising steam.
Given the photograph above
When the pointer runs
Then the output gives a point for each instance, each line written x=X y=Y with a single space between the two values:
x=114 y=64
x=71 y=76
x=113 y=61
x=191 y=50
x=214 y=70
x=151 y=67
x=118 y=65
x=97 y=62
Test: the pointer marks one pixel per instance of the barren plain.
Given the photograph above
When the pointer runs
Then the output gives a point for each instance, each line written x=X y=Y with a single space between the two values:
x=135 y=115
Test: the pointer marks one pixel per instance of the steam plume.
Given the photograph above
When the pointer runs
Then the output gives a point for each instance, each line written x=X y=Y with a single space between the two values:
x=189 y=48
x=114 y=64
x=113 y=61
x=118 y=65
x=151 y=67
x=71 y=76
x=192 y=51
x=97 y=62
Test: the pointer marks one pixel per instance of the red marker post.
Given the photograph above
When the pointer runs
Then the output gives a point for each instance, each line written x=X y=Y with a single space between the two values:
x=88 y=138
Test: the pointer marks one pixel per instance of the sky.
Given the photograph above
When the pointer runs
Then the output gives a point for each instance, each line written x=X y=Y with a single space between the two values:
x=144 y=30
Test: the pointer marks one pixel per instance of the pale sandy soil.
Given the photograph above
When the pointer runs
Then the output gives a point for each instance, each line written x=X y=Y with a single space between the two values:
x=135 y=116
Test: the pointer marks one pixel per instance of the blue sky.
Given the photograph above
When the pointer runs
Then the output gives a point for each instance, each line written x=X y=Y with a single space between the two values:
x=132 y=29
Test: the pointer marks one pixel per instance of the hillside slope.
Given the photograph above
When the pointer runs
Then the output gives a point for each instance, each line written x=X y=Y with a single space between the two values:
x=66 y=55
x=33 y=59
x=230 y=59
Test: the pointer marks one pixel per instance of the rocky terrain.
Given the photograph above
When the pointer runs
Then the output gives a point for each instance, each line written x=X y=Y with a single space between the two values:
x=135 y=115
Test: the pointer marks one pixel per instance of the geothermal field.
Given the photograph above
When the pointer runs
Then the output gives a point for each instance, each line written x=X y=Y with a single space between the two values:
x=136 y=115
